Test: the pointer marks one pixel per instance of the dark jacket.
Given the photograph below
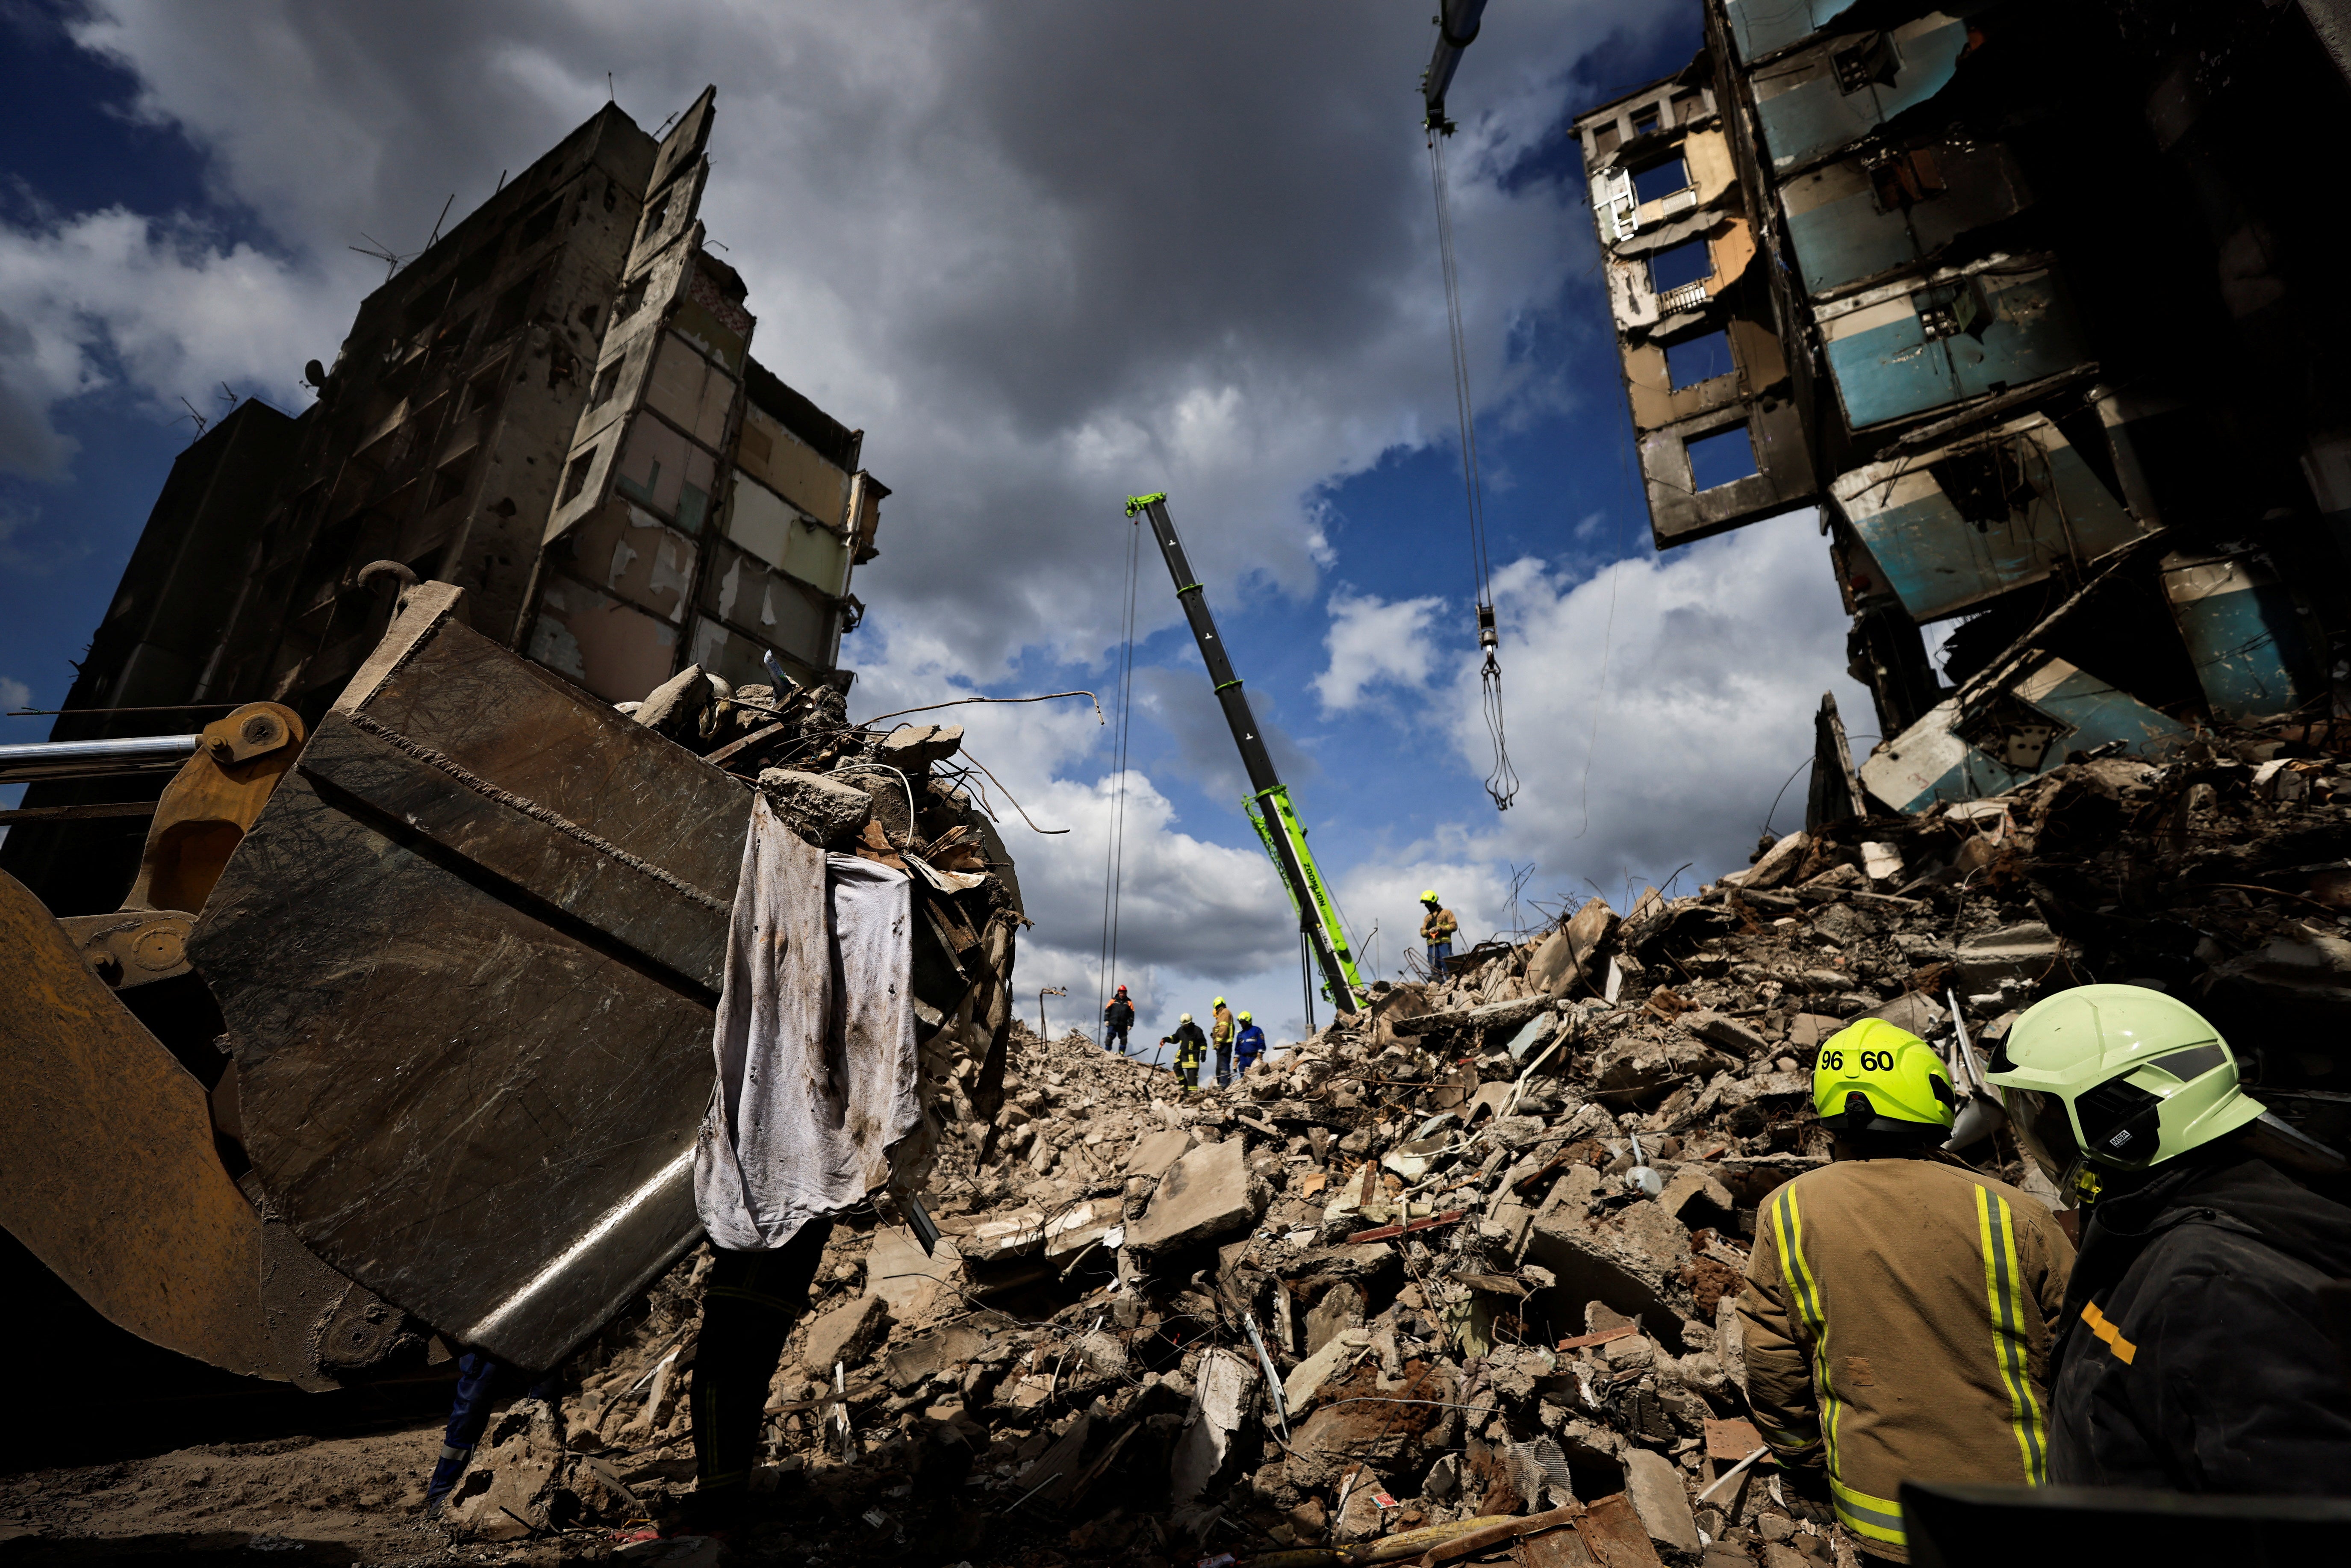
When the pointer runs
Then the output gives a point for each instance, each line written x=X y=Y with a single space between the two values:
x=2193 y=1354
x=1191 y=1045
x=1119 y=1014
x=1249 y=1044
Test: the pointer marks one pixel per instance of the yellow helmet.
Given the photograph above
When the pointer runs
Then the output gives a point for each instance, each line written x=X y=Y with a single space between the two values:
x=1872 y=1077
x=1220 y=1001
x=1429 y=897
x=1244 y=1017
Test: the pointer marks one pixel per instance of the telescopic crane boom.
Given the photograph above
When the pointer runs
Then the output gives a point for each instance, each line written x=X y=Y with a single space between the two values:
x=1277 y=824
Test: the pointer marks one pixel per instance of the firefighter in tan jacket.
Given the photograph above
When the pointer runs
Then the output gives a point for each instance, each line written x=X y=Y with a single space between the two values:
x=1897 y=1306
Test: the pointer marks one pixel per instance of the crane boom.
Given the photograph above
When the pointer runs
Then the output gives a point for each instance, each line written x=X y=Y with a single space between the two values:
x=1277 y=822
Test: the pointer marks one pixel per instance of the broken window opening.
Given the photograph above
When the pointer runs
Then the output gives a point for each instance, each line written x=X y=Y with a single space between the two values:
x=483 y=390
x=632 y=298
x=1987 y=486
x=1870 y=59
x=540 y=223
x=2012 y=732
x=1700 y=359
x=508 y=313
x=588 y=314
x=1723 y=457
x=607 y=380
x=1661 y=179
x=1645 y=121
x=449 y=483
x=1692 y=261
x=576 y=478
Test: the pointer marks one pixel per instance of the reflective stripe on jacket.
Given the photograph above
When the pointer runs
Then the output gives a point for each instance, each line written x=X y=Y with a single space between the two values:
x=1896 y=1325
x=1191 y=1045
x=1220 y=1026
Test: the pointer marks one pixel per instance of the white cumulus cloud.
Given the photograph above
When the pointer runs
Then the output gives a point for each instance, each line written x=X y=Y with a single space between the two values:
x=1374 y=642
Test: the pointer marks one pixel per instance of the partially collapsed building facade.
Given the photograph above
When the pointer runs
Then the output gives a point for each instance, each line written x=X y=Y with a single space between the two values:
x=2036 y=304
x=555 y=408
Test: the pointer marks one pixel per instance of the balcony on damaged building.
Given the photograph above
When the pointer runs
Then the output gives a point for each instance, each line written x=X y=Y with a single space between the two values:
x=2026 y=300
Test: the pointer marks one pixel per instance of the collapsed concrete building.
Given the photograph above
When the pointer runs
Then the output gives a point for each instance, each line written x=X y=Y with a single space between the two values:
x=2032 y=302
x=553 y=407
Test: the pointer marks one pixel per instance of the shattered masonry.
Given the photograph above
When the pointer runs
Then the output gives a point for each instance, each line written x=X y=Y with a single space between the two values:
x=1432 y=1203
x=553 y=407
x=2032 y=301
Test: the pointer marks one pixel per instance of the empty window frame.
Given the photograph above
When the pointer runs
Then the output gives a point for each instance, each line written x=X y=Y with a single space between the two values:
x=1700 y=359
x=1645 y=121
x=1724 y=457
x=1689 y=262
x=1660 y=179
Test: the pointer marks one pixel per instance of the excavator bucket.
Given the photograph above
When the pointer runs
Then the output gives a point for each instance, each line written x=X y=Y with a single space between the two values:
x=468 y=955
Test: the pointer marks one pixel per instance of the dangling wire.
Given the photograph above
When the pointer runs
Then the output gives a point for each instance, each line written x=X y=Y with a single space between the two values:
x=1114 y=868
x=1502 y=779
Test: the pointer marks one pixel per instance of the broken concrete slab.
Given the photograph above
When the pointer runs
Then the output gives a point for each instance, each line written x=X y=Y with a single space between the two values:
x=821 y=810
x=1696 y=1185
x=2026 y=951
x=1776 y=864
x=1490 y=1015
x=845 y=1333
x=1339 y=1351
x=1205 y=1194
x=920 y=745
x=1726 y=1032
x=1655 y=1489
x=1226 y=1384
x=1341 y=1307
x=1154 y=1154
x=909 y=1280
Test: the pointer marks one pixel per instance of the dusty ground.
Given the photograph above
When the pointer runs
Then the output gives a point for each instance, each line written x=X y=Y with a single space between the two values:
x=289 y=1501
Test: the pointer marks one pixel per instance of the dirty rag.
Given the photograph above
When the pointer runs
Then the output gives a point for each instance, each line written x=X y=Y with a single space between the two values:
x=814 y=1041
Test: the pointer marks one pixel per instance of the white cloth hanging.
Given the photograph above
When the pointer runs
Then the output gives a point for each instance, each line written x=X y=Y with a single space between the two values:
x=814 y=1042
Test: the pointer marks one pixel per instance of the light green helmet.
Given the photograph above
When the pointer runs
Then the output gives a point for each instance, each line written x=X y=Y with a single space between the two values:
x=2120 y=1076
x=1875 y=1077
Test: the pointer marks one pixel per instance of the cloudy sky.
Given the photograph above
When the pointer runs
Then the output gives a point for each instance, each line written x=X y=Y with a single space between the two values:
x=1046 y=255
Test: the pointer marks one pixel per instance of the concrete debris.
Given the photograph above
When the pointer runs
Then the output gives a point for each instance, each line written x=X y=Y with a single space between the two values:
x=1472 y=1309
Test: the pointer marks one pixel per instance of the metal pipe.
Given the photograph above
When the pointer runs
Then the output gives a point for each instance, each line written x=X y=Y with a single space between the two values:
x=95 y=759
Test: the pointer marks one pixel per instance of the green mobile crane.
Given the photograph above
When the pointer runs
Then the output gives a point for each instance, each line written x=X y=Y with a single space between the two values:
x=1269 y=804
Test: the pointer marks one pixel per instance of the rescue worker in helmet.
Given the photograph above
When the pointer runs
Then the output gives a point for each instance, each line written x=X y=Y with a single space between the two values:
x=1438 y=927
x=1191 y=1050
x=1248 y=1046
x=1897 y=1306
x=2191 y=1352
x=1220 y=1035
x=1117 y=1018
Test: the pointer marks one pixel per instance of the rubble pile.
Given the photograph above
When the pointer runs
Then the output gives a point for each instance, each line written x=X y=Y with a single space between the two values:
x=1463 y=1264
x=1474 y=1253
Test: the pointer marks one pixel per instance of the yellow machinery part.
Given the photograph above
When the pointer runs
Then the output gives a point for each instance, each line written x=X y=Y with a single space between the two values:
x=108 y=1169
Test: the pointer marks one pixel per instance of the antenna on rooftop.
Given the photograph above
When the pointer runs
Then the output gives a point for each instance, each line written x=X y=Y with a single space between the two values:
x=380 y=251
x=202 y=423
x=434 y=237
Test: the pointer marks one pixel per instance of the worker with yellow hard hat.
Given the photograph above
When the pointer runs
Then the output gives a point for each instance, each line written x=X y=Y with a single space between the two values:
x=1220 y=1035
x=1897 y=1306
x=1248 y=1046
x=1437 y=928
x=2193 y=1353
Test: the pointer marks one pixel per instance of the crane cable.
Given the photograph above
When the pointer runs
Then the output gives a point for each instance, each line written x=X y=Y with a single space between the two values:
x=1114 y=866
x=1502 y=779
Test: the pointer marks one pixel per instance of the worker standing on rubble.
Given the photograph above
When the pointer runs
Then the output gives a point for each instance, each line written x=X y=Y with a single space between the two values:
x=1438 y=927
x=1191 y=1050
x=1220 y=1035
x=1248 y=1046
x=1117 y=1018
x=2192 y=1352
x=1898 y=1307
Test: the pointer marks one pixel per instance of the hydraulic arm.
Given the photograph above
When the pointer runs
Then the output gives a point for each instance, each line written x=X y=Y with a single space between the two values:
x=1277 y=824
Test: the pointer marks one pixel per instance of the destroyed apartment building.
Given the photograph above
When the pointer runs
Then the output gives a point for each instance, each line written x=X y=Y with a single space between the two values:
x=553 y=407
x=2035 y=304
x=499 y=643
